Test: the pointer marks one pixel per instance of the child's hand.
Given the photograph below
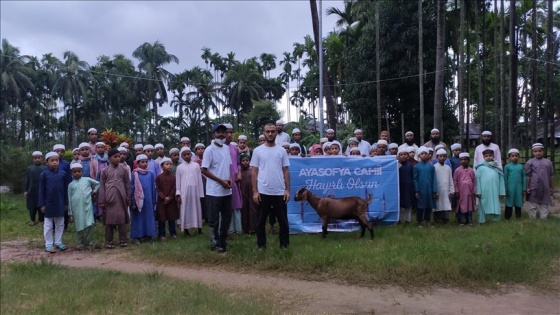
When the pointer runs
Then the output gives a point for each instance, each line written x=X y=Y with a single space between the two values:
x=178 y=198
x=417 y=195
x=43 y=209
x=436 y=196
x=502 y=197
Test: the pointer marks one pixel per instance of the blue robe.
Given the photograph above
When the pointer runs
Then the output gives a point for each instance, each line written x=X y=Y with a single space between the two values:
x=64 y=165
x=406 y=185
x=143 y=223
x=154 y=168
x=455 y=163
x=425 y=184
x=53 y=192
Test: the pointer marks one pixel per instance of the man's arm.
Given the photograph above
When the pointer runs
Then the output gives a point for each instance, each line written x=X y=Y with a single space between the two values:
x=286 y=172
x=254 y=174
x=224 y=183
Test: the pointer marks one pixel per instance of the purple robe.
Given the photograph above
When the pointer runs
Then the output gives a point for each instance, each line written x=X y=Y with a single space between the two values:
x=235 y=168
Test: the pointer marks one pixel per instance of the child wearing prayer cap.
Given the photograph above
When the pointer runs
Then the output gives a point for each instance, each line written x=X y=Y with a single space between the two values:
x=175 y=159
x=89 y=165
x=114 y=198
x=167 y=208
x=393 y=148
x=540 y=186
x=406 y=186
x=189 y=193
x=249 y=209
x=490 y=187
x=445 y=187
x=53 y=201
x=464 y=181
x=31 y=193
x=515 y=181
x=143 y=191
x=294 y=150
x=75 y=155
x=355 y=152
x=80 y=205
x=425 y=187
x=63 y=165
x=454 y=159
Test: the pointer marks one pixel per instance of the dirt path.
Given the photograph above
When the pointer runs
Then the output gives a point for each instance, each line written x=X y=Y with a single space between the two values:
x=311 y=297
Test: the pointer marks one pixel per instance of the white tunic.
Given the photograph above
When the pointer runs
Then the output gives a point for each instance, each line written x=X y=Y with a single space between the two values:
x=445 y=187
x=189 y=187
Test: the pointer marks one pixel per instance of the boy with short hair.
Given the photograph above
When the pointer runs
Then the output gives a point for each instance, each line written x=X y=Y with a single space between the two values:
x=80 y=205
x=490 y=187
x=167 y=208
x=114 y=198
x=445 y=187
x=53 y=202
x=540 y=185
x=406 y=186
x=31 y=193
x=464 y=181
x=425 y=187
x=515 y=181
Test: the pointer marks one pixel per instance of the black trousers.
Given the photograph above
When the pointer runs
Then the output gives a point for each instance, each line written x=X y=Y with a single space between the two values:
x=219 y=216
x=423 y=215
x=33 y=214
x=277 y=205
x=509 y=211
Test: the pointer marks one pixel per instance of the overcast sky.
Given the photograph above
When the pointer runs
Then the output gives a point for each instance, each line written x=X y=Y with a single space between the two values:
x=95 y=28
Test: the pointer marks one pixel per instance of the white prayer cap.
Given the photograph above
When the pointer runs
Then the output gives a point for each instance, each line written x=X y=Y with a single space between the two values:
x=228 y=126
x=37 y=153
x=336 y=143
x=279 y=122
x=486 y=133
x=148 y=147
x=75 y=149
x=199 y=145
x=83 y=145
x=183 y=149
x=357 y=131
x=141 y=157
x=294 y=145
x=59 y=147
x=285 y=144
x=326 y=145
x=90 y=130
x=330 y=130
x=382 y=142
x=323 y=140
x=138 y=146
x=409 y=133
x=464 y=155
x=75 y=165
x=296 y=130
x=434 y=130
x=393 y=145
x=185 y=139
x=352 y=140
x=441 y=152
x=100 y=143
x=159 y=145
x=402 y=150
x=422 y=149
x=537 y=146
x=430 y=149
x=241 y=137
x=455 y=146
x=355 y=149
x=124 y=145
x=173 y=150
x=261 y=137
x=50 y=155
x=439 y=146
x=122 y=149
x=411 y=149
x=513 y=151
x=165 y=159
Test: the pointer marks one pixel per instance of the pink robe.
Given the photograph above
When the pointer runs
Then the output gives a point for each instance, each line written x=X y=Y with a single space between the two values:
x=235 y=168
x=465 y=184
x=190 y=188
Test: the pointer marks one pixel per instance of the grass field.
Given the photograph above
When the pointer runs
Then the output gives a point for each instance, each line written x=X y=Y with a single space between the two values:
x=45 y=288
x=525 y=252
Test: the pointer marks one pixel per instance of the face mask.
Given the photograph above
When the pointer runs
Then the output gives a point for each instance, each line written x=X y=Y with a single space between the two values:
x=219 y=141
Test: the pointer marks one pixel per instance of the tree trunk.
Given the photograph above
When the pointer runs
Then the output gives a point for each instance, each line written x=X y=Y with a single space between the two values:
x=534 y=82
x=331 y=110
x=440 y=60
x=74 y=139
x=481 y=55
x=421 y=68
x=378 y=67
x=550 y=57
x=512 y=106
x=22 y=123
x=460 y=72
x=502 y=133
x=468 y=99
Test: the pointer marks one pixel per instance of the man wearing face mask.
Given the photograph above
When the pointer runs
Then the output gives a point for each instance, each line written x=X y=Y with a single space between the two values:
x=435 y=140
x=486 y=144
x=216 y=168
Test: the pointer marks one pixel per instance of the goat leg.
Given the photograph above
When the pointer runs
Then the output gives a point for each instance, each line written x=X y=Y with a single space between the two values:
x=325 y=224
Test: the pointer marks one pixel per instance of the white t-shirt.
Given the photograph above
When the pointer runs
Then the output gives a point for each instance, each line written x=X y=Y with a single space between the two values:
x=282 y=137
x=217 y=160
x=269 y=161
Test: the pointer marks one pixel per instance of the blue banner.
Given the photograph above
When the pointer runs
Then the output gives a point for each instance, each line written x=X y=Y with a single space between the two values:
x=338 y=177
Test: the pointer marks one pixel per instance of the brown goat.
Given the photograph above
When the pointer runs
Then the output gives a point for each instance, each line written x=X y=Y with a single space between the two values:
x=338 y=208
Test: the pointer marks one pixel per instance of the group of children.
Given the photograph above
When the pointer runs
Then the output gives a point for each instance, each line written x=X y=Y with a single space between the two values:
x=169 y=191
x=440 y=185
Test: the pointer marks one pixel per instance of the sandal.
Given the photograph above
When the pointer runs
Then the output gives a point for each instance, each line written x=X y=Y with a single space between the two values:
x=110 y=246
x=50 y=249
x=62 y=247
x=124 y=244
x=31 y=223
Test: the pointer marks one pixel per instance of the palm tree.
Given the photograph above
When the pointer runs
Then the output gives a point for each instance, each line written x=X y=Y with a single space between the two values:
x=206 y=54
x=268 y=63
x=286 y=76
x=152 y=58
x=440 y=61
x=244 y=79
x=421 y=68
x=70 y=87
x=206 y=95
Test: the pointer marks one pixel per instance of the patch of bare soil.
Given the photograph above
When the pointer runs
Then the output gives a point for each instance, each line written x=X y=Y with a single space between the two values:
x=310 y=297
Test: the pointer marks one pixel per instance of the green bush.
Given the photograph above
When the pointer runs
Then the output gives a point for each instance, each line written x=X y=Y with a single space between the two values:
x=13 y=164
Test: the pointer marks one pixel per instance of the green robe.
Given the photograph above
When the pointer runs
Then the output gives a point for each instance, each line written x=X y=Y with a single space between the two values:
x=490 y=186
x=515 y=181
x=80 y=204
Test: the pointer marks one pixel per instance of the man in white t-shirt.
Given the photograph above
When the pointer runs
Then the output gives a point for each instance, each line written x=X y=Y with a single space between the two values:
x=281 y=136
x=271 y=186
x=216 y=168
